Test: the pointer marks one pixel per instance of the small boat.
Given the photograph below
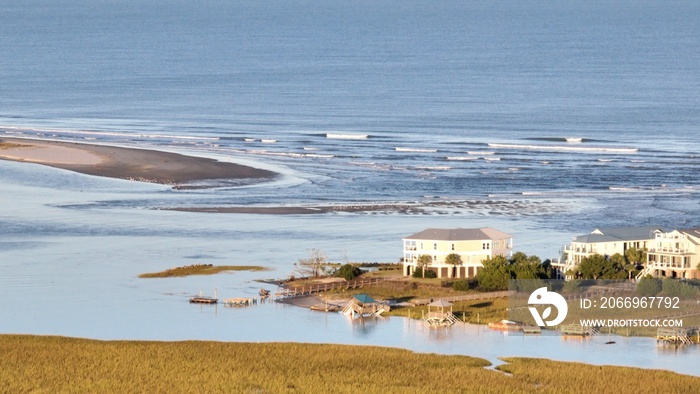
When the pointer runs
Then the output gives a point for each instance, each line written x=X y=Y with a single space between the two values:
x=505 y=325
x=325 y=307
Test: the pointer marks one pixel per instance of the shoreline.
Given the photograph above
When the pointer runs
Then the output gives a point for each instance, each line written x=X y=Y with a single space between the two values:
x=135 y=164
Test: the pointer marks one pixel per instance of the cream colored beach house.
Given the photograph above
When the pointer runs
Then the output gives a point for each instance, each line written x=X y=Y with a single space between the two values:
x=674 y=254
x=607 y=242
x=471 y=245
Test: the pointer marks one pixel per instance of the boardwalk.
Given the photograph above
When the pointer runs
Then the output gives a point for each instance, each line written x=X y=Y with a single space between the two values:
x=466 y=297
x=298 y=291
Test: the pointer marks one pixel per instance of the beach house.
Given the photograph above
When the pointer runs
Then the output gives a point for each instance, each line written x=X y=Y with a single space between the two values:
x=674 y=254
x=471 y=245
x=607 y=242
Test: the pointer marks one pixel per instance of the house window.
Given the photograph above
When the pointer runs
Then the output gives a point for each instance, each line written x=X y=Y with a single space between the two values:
x=434 y=245
x=421 y=246
x=453 y=246
x=434 y=259
x=486 y=246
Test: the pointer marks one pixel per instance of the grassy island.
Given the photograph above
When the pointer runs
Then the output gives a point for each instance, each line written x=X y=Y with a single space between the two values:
x=200 y=269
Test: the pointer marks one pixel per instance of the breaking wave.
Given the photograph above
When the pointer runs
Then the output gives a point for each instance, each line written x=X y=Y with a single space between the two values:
x=583 y=149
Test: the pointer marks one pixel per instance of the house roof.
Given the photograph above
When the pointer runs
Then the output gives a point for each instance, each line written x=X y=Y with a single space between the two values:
x=694 y=233
x=364 y=298
x=459 y=234
x=441 y=303
x=613 y=234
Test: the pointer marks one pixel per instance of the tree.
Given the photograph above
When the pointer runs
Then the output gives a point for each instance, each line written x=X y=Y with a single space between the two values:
x=495 y=273
x=313 y=266
x=348 y=272
x=424 y=260
x=636 y=256
x=453 y=259
x=598 y=267
x=527 y=267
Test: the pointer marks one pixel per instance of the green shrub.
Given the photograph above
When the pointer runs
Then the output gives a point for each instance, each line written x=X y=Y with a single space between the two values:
x=649 y=287
x=465 y=284
x=572 y=286
x=348 y=272
x=676 y=288
x=418 y=273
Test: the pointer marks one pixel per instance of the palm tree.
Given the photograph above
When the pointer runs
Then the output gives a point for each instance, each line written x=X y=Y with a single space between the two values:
x=453 y=259
x=423 y=261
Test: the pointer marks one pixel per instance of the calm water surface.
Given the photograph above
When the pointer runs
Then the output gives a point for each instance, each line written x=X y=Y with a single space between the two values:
x=478 y=105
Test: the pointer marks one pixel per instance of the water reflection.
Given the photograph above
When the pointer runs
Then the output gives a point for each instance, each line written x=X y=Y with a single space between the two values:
x=365 y=326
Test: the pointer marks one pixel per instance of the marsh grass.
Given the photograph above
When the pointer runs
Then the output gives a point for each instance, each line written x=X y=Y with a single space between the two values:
x=200 y=269
x=58 y=364
x=11 y=145
x=561 y=377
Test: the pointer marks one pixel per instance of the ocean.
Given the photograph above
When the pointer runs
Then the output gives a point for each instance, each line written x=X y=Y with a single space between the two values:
x=542 y=119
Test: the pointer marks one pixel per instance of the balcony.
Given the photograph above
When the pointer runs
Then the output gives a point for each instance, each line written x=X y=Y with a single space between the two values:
x=667 y=264
x=669 y=250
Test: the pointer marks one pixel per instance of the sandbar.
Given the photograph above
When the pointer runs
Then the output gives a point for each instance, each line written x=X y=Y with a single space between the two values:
x=134 y=164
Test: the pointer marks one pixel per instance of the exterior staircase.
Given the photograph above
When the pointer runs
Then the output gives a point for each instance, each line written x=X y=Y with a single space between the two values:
x=648 y=270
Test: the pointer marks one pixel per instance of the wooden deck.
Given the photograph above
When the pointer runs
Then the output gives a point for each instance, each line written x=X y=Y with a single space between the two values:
x=440 y=319
x=466 y=297
x=578 y=330
x=298 y=291
x=204 y=300
x=678 y=336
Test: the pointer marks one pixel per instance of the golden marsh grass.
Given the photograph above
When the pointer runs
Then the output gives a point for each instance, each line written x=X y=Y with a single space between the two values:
x=62 y=365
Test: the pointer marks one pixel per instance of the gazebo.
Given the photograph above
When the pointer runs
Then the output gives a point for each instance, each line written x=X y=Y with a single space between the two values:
x=363 y=305
x=438 y=316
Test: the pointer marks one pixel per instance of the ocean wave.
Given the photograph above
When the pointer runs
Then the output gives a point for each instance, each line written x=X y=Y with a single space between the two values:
x=474 y=152
x=268 y=141
x=347 y=136
x=574 y=139
x=97 y=134
x=419 y=150
x=460 y=158
x=438 y=168
x=566 y=148
x=492 y=158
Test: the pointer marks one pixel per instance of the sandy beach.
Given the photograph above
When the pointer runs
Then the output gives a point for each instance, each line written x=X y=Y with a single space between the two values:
x=143 y=165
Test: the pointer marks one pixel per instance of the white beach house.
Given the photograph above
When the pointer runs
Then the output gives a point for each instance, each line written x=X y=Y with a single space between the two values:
x=607 y=242
x=674 y=254
x=472 y=246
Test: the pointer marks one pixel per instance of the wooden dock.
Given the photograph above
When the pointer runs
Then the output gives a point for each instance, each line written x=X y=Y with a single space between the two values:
x=466 y=297
x=200 y=299
x=203 y=300
x=578 y=330
x=240 y=301
x=673 y=335
x=298 y=291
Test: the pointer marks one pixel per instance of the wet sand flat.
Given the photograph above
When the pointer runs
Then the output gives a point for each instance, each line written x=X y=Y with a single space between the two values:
x=128 y=163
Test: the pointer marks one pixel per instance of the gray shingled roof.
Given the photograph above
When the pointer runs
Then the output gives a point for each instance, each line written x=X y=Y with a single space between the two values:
x=694 y=232
x=459 y=234
x=618 y=234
